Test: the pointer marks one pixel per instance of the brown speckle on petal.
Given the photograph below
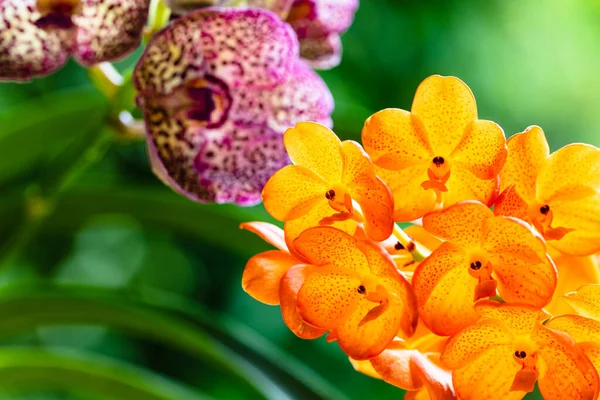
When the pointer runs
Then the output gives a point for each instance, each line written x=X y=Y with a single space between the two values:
x=235 y=169
x=108 y=29
x=26 y=50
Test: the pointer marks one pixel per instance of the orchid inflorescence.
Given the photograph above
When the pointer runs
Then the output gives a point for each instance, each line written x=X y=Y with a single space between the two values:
x=492 y=287
x=489 y=291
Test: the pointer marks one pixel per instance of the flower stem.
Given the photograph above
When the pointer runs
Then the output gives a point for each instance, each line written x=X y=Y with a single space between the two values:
x=158 y=18
x=106 y=79
x=418 y=252
x=132 y=129
x=41 y=198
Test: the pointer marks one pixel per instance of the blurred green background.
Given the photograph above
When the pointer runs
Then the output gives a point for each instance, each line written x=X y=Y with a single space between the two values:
x=164 y=273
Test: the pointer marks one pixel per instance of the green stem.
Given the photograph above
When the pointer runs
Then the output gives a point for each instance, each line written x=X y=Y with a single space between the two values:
x=158 y=18
x=85 y=151
x=41 y=198
x=106 y=79
x=132 y=129
x=418 y=252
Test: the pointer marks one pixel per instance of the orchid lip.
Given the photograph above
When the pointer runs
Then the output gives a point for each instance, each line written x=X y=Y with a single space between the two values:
x=57 y=14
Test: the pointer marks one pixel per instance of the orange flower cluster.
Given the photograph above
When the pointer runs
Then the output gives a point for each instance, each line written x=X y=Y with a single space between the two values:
x=488 y=292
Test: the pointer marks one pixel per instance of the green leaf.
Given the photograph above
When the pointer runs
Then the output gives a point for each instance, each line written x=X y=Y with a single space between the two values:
x=187 y=327
x=34 y=132
x=160 y=208
x=32 y=369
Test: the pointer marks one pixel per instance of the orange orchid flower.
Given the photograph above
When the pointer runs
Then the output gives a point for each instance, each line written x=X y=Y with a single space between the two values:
x=573 y=272
x=482 y=253
x=558 y=193
x=414 y=365
x=508 y=350
x=321 y=188
x=352 y=289
x=267 y=280
x=585 y=301
x=585 y=330
x=439 y=153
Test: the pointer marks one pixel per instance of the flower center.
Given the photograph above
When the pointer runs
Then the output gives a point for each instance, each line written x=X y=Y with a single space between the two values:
x=375 y=293
x=438 y=174
x=481 y=269
x=203 y=102
x=57 y=13
x=301 y=10
x=541 y=217
x=525 y=355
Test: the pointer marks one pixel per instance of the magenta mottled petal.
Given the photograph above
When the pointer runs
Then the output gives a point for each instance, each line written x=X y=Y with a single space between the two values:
x=216 y=114
x=27 y=51
x=173 y=57
x=236 y=167
x=250 y=48
x=319 y=18
x=303 y=97
x=279 y=7
x=172 y=151
x=323 y=52
x=108 y=30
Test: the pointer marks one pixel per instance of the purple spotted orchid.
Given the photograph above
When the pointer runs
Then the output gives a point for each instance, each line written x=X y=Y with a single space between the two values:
x=318 y=23
x=37 y=36
x=218 y=88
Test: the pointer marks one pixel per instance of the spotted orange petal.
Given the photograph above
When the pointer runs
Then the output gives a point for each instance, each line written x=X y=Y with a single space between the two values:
x=568 y=172
x=489 y=376
x=482 y=150
x=270 y=233
x=316 y=147
x=463 y=185
x=460 y=223
x=570 y=374
x=510 y=204
x=524 y=272
x=471 y=342
x=586 y=301
x=569 y=182
x=521 y=281
x=370 y=192
x=362 y=341
x=445 y=290
x=291 y=283
x=573 y=272
x=445 y=107
x=585 y=331
x=394 y=141
x=331 y=246
x=328 y=296
x=582 y=216
x=410 y=369
x=263 y=273
x=411 y=201
x=511 y=235
x=405 y=302
x=293 y=192
x=527 y=151
x=517 y=318
x=293 y=228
